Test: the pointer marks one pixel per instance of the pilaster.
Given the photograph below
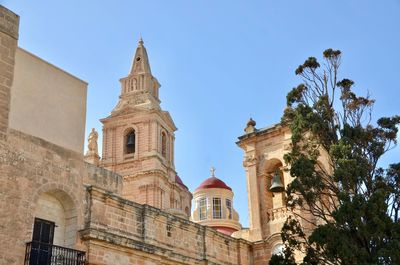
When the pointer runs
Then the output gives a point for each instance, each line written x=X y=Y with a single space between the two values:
x=250 y=164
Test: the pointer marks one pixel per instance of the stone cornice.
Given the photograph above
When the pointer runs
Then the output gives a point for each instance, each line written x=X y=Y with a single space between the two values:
x=158 y=173
x=119 y=117
x=261 y=134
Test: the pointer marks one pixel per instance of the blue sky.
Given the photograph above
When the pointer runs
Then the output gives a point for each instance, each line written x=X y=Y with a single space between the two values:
x=219 y=62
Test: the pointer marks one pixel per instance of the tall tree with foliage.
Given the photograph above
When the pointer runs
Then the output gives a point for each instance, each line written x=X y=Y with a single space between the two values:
x=346 y=208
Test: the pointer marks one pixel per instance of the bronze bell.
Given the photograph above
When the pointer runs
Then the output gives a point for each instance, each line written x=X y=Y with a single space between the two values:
x=131 y=141
x=276 y=183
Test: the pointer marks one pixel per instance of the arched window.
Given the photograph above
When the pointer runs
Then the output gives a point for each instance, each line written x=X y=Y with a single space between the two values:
x=130 y=142
x=163 y=144
x=202 y=205
x=187 y=211
x=217 y=208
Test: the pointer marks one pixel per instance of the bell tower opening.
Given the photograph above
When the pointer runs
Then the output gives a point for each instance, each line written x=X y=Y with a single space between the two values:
x=275 y=185
x=130 y=142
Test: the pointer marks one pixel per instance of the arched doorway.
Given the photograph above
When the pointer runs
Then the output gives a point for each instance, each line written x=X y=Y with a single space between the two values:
x=55 y=219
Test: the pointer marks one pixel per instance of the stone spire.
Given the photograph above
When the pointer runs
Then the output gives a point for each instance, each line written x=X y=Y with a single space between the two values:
x=140 y=63
x=140 y=87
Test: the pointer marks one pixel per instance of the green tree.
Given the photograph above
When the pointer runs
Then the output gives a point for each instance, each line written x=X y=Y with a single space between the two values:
x=350 y=207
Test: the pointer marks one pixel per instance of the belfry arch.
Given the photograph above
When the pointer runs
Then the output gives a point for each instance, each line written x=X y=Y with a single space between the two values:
x=268 y=169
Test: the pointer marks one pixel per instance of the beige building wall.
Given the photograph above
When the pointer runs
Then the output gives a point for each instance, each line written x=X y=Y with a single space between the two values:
x=38 y=178
x=47 y=102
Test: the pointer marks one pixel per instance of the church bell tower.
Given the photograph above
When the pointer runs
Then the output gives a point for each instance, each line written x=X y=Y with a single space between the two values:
x=138 y=142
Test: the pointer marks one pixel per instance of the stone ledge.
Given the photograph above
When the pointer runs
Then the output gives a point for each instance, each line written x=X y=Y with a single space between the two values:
x=62 y=151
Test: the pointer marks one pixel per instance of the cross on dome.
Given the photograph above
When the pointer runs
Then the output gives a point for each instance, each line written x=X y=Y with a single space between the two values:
x=212 y=171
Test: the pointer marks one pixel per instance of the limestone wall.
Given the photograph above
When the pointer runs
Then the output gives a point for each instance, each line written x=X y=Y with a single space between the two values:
x=48 y=102
x=130 y=227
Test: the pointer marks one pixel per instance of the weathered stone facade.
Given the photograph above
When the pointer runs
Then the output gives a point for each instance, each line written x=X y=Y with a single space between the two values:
x=130 y=208
x=39 y=179
x=141 y=234
x=111 y=229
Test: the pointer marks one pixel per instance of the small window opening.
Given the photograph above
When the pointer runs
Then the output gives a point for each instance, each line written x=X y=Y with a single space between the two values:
x=187 y=211
x=169 y=230
x=164 y=144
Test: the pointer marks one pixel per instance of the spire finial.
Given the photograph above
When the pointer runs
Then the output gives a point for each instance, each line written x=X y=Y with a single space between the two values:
x=250 y=126
x=212 y=171
x=141 y=40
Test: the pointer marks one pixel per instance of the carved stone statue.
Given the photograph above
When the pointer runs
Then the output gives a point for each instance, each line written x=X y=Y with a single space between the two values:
x=92 y=142
x=92 y=154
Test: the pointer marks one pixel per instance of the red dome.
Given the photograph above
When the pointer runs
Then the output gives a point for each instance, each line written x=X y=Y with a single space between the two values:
x=213 y=182
x=180 y=182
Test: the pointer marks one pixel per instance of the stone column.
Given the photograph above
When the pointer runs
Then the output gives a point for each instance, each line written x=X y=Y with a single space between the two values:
x=9 y=23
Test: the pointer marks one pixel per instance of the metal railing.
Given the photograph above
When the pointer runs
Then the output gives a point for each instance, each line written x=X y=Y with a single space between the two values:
x=38 y=253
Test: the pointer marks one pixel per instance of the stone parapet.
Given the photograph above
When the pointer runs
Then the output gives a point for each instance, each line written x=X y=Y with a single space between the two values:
x=103 y=178
x=130 y=226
